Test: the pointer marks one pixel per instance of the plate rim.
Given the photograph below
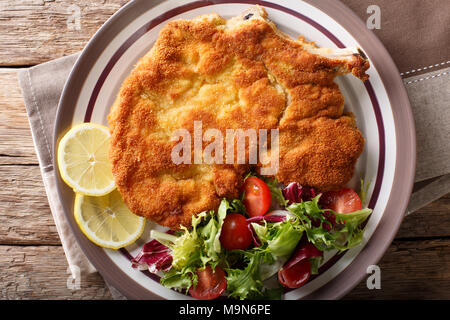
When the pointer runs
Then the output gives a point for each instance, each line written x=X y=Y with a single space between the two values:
x=388 y=74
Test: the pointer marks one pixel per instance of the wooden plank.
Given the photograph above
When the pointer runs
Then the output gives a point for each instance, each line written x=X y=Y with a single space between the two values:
x=411 y=270
x=432 y=220
x=25 y=216
x=37 y=31
x=14 y=126
x=41 y=272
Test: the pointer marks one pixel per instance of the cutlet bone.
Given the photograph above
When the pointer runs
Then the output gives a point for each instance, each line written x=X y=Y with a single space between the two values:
x=345 y=60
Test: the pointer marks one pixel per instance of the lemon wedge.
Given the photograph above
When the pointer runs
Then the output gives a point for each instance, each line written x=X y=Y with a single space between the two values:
x=83 y=159
x=107 y=221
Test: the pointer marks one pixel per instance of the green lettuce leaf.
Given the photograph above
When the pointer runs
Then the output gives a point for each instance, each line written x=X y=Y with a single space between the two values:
x=195 y=248
x=352 y=230
x=180 y=279
x=246 y=283
x=185 y=246
x=210 y=235
x=363 y=191
x=261 y=231
x=238 y=206
x=341 y=236
x=315 y=264
x=275 y=191
x=277 y=242
x=283 y=239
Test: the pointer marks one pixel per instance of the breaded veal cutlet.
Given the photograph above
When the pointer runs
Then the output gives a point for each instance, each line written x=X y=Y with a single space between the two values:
x=236 y=74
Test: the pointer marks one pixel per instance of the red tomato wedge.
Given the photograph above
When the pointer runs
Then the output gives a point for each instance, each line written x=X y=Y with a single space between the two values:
x=295 y=276
x=297 y=270
x=235 y=233
x=210 y=284
x=342 y=201
x=257 y=196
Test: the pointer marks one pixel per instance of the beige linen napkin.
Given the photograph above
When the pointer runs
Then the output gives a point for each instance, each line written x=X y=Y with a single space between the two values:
x=415 y=33
x=42 y=85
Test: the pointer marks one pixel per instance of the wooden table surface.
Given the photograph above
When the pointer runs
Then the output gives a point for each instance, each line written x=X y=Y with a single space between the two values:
x=32 y=261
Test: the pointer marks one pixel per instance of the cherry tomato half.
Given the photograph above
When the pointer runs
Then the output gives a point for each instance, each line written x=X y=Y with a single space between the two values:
x=257 y=196
x=295 y=276
x=210 y=284
x=342 y=201
x=235 y=232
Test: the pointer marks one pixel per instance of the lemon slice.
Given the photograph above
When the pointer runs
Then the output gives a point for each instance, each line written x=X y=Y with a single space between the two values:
x=107 y=221
x=83 y=159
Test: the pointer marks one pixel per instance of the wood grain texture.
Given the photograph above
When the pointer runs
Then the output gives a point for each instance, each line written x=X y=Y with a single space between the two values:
x=408 y=271
x=16 y=143
x=411 y=270
x=431 y=221
x=25 y=216
x=35 y=31
x=41 y=272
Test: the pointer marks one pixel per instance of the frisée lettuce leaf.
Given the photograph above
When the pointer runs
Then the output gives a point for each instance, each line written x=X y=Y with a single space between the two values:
x=277 y=241
x=275 y=191
x=247 y=283
x=345 y=234
x=195 y=248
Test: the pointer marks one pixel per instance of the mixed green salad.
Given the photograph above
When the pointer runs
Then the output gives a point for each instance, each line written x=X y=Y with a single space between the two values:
x=270 y=230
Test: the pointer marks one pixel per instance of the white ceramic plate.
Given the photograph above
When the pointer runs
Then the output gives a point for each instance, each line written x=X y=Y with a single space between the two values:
x=380 y=105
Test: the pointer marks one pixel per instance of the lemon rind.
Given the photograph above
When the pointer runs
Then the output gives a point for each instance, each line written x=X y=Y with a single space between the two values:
x=93 y=238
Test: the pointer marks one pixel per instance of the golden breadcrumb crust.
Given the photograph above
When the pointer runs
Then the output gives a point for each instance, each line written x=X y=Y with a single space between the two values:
x=244 y=74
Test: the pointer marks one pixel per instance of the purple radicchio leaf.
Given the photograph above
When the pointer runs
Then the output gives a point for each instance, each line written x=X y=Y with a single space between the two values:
x=255 y=239
x=269 y=218
x=295 y=193
x=153 y=256
x=304 y=250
